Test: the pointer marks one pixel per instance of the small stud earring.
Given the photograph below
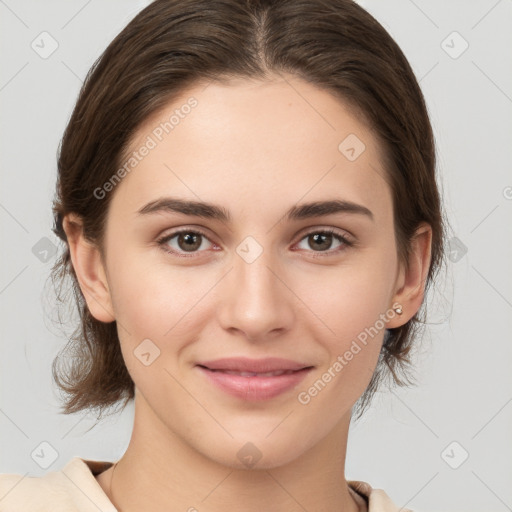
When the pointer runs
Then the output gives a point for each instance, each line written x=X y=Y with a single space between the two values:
x=398 y=310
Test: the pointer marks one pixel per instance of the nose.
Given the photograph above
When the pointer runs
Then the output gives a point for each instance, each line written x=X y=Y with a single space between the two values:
x=255 y=301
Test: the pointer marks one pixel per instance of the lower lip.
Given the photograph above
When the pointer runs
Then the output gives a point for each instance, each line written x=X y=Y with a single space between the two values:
x=254 y=388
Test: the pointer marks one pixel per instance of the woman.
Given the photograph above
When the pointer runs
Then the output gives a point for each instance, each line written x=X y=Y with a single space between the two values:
x=248 y=202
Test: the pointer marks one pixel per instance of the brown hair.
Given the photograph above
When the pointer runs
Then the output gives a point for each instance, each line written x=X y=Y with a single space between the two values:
x=171 y=44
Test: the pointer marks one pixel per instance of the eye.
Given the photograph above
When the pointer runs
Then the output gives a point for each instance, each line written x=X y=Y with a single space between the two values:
x=322 y=241
x=192 y=241
x=186 y=241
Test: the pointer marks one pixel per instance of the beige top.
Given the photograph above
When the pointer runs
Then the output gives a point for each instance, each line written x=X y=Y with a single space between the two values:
x=75 y=489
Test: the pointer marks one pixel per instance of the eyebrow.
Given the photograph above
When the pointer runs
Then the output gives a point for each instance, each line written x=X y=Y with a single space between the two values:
x=216 y=212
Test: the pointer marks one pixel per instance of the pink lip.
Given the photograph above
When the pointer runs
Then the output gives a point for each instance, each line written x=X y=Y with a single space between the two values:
x=256 y=387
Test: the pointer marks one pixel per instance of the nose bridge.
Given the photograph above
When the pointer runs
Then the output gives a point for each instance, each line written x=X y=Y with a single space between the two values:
x=256 y=301
x=253 y=274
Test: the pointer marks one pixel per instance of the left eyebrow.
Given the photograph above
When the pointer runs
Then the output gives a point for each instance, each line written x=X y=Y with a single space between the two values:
x=320 y=208
x=217 y=212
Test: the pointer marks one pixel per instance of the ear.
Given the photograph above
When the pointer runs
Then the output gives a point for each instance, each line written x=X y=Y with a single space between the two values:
x=88 y=266
x=411 y=281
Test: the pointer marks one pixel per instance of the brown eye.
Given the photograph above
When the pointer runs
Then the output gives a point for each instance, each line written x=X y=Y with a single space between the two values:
x=184 y=241
x=322 y=241
x=189 y=241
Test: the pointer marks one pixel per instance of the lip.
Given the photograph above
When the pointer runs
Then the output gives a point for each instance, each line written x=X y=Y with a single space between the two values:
x=254 y=387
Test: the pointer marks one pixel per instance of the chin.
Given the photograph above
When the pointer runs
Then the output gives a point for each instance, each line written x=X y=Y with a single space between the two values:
x=257 y=452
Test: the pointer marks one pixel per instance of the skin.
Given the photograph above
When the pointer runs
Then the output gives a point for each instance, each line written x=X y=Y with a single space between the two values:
x=257 y=148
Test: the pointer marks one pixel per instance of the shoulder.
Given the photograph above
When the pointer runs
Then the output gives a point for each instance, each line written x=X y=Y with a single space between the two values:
x=74 y=488
x=377 y=500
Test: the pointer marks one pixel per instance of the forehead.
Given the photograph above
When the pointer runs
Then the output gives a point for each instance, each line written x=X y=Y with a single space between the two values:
x=245 y=139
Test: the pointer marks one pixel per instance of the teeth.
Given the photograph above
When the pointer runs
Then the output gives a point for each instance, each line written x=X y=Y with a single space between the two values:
x=252 y=374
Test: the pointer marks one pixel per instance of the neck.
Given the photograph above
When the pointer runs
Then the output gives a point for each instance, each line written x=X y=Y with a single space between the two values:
x=159 y=471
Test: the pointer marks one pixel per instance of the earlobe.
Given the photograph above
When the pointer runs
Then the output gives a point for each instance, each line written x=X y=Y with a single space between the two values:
x=89 y=269
x=412 y=279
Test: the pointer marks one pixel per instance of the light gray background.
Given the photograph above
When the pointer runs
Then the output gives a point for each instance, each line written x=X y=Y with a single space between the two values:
x=400 y=445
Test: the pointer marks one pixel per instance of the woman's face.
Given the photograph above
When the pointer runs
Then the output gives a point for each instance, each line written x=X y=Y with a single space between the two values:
x=259 y=281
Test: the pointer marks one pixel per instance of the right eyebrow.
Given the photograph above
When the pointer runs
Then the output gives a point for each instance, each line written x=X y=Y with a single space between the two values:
x=187 y=207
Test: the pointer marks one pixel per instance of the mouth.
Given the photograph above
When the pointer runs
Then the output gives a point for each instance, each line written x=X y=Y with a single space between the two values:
x=253 y=374
x=252 y=379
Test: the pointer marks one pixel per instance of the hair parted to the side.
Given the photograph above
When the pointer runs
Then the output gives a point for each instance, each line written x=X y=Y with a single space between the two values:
x=172 y=44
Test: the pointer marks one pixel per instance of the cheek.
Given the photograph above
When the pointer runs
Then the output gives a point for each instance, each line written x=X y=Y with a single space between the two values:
x=351 y=305
x=153 y=302
x=348 y=299
x=150 y=297
x=351 y=332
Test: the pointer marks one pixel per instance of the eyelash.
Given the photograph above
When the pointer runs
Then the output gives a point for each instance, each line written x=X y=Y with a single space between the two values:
x=162 y=242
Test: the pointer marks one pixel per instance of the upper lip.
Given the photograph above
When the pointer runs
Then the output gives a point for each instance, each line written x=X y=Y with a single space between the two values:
x=245 y=364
